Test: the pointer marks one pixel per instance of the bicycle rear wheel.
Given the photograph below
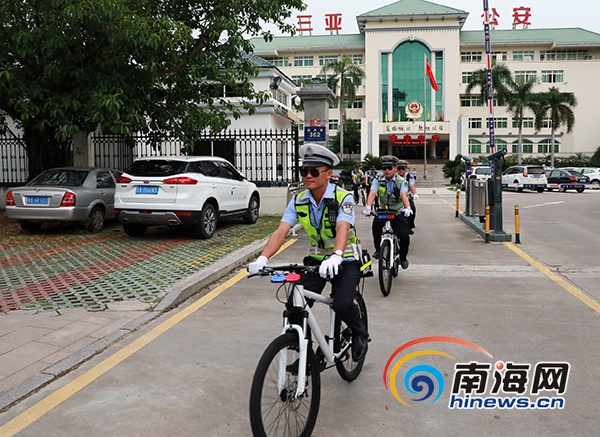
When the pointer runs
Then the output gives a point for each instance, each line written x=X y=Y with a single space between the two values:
x=385 y=267
x=345 y=365
x=274 y=408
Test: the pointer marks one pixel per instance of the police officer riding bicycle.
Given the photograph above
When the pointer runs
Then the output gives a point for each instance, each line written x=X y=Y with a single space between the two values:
x=392 y=191
x=326 y=212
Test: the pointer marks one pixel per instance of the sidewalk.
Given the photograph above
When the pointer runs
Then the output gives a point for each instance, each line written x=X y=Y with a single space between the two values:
x=85 y=292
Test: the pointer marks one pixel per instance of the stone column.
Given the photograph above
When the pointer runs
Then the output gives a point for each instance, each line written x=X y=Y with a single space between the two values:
x=316 y=98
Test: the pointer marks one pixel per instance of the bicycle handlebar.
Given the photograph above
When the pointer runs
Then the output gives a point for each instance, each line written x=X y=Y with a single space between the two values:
x=288 y=268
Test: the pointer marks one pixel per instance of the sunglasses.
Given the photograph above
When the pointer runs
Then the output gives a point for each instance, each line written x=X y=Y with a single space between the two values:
x=387 y=167
x=314 y=172
x=401 y=168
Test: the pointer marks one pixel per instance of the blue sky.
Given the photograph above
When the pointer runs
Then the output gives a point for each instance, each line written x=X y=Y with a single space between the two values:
x=544 y=13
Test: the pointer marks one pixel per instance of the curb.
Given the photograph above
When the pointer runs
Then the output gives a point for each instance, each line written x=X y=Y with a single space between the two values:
x=175 y=295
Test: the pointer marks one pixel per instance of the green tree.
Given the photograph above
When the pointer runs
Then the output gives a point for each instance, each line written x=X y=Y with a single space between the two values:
x=351 y=139
x=520 y=98
x=501 y=76
x=344 y=79
x=160 y=66
x=558 y=107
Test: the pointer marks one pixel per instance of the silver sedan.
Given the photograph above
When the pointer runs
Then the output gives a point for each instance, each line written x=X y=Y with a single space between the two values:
x=69 y=194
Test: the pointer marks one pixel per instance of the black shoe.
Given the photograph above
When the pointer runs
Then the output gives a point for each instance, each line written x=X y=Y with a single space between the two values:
x=404 y=264
x=375 y=255
x=411 y=232
x=359 y=347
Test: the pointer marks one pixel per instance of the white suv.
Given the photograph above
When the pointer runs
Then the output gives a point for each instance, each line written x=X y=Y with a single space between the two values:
x=192 y=191
x=532 y=177
x=482 y=173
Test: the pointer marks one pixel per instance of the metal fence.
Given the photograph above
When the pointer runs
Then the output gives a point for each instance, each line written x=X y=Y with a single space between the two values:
x=13 y=161
x=268 y=157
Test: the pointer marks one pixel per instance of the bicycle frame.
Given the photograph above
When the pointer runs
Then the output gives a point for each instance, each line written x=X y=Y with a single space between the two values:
x=299 y=295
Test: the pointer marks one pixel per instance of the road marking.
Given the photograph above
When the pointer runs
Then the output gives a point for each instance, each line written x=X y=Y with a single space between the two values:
x=57 y=397
x=594 y=305
x=543 y=204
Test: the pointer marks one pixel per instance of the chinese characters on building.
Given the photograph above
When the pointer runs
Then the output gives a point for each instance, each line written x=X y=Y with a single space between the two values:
x=520 y=15
x=333 y=23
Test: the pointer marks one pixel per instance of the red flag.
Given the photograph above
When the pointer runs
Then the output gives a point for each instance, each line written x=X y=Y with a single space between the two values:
x=430 y=75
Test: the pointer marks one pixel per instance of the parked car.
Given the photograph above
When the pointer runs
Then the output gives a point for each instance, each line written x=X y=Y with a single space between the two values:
x=191 y=191
x=341 y=177
x=68 y=194
x=519 y=177
x=563 y=180
x=591 y=172
x=482 y=173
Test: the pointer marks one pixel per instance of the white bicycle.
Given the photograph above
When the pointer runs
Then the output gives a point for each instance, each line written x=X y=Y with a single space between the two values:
x=286 y=389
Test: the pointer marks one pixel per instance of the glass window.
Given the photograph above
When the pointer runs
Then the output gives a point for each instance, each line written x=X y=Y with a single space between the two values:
x=499 y=122
x=333 y=125
x=499 y=56
x=104 y=180
x=523 y=55
x=527 y=147
x=279 y=62
x=527 y=123
x=552 y=76
x=471 y=56
x=475 y=123
x=474 y=146
x=544 y=146
x=303 y=61
x=357 y=59
x=327 y=59
x=522 y=76
x=467 y=77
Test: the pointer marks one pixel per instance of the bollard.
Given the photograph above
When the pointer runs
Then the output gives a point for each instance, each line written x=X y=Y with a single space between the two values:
x=457 y=203
x=487 y=223
x=517 y=230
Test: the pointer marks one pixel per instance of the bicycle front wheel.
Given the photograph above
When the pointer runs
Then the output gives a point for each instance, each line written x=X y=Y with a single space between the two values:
x=385 y=267
x=275 y=409
x=345 y=365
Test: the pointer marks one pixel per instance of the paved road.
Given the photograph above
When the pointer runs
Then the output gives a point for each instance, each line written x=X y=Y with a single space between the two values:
x=189 y=372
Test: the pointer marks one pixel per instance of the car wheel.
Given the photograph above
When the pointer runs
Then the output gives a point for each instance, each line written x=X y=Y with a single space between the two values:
x=30 y=226
x=95 y=221
x=580 y=190
x=540 y=190
x=595 y=184
x=208 y=222
x=251 y=216
x=562 y=189
x=134 y=229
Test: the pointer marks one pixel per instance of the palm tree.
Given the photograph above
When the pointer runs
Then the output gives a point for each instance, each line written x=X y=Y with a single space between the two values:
x=501 y=75
x=558 y=106
x=346 y=77
x=521 y=98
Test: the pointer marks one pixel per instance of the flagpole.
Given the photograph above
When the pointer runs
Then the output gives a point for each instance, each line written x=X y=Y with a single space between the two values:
x=425 y=118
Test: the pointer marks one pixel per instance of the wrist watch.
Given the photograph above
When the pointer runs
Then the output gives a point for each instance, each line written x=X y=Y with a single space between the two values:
x=339 y=253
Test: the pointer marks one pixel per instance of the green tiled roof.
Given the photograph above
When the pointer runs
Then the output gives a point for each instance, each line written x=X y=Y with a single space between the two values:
x=412 y=7
x=307 y=42
x=568 y=37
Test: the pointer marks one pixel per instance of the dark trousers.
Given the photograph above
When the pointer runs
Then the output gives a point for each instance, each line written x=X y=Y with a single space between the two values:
x=401 y=227
x=356 y=198
x=343 y=287
x=411 y=219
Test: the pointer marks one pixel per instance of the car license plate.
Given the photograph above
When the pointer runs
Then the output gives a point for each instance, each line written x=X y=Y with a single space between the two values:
x=37 y=200
x=536 y=175
x=146 y=190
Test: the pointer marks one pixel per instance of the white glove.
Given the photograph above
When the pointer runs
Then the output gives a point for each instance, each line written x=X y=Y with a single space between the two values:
x=415 y=197
x=407 y=212
x=330 y=266
x=257 y=265
x=367 y=211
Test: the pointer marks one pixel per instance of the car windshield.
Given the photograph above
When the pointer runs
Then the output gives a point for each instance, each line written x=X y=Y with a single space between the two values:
x=60 y=177
x=535 y=170
x=483 y=170
x=157 y=168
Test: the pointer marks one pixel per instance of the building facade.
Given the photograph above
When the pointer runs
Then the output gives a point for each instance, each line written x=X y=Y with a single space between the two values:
x=392 y=46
